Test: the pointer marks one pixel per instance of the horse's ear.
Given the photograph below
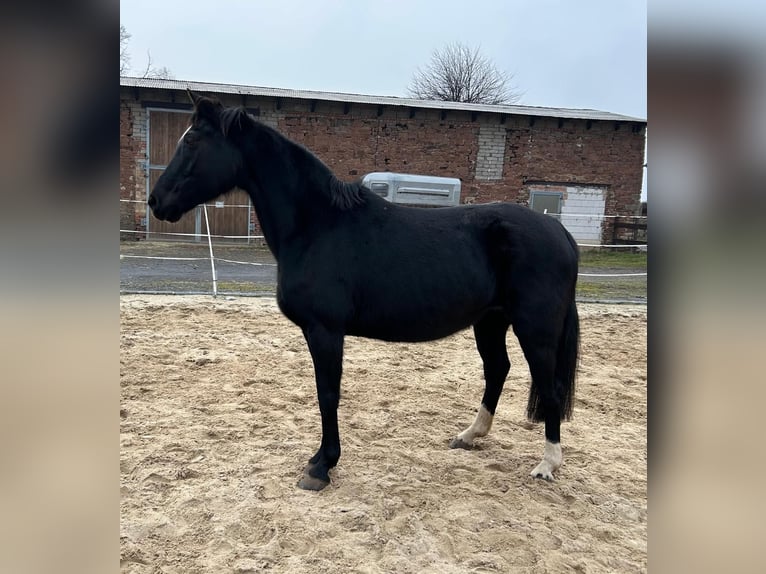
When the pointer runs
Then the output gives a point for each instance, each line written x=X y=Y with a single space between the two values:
x=209 y=109
x=192 y=96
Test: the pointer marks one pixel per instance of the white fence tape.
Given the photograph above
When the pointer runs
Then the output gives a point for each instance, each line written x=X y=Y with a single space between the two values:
x=196 y=259
x=200 y=235
x=212 y=257
x=609 y=246
x=249 y=237
x=246 y=262
x=580 y=215
x=611 y=274
x=166 y=258
x=274 y=264
x=208 y=204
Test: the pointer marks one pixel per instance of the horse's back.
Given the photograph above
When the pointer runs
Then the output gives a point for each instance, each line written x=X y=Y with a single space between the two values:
x=436 y=271
x=498 y=235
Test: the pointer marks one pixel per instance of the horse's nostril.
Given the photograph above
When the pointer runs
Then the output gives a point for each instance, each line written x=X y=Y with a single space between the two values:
x=152 y=201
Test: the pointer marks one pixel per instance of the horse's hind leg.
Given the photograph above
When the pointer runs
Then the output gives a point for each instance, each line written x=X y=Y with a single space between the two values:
x=548 y=408
x=539 y=343
x=490 y=333
x=550 y=341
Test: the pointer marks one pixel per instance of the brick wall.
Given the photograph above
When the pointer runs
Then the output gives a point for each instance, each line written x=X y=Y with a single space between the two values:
x=496 y=158
x=133 y=157
x=494 y=161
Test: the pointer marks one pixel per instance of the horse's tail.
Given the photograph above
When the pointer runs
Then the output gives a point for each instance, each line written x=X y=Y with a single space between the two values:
x=567 y=355
x=567 y=359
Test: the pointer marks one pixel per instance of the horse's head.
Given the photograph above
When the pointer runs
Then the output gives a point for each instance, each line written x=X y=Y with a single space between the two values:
x=206 y=162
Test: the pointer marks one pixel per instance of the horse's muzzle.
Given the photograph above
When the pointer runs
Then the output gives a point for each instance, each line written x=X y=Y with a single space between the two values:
x=163 y=213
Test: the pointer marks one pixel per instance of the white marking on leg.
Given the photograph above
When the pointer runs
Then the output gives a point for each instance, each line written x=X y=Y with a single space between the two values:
x=551 y=462
x=480 y=426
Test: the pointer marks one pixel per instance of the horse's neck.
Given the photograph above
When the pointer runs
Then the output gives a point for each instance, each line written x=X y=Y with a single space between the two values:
x=278 y=186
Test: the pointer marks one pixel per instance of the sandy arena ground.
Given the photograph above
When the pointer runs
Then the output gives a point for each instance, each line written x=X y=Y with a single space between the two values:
x=219 y=416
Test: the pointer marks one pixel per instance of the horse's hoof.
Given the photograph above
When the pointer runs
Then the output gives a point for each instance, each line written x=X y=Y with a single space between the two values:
x=457 y=442
x=543 y=471
x=309 y=482
x=545 y=476
x=551 y=462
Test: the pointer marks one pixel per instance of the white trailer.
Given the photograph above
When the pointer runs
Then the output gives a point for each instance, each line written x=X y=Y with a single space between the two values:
x=411 y=189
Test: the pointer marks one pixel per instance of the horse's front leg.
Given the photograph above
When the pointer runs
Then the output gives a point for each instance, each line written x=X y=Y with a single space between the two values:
x=326 y=348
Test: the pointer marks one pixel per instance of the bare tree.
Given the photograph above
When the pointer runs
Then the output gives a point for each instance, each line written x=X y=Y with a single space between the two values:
x=163 y=73
x=150 y=71
x=124 y=55
x=458 y=73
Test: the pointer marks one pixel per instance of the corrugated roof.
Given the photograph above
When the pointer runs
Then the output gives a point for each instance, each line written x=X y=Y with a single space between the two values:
x=211 y=87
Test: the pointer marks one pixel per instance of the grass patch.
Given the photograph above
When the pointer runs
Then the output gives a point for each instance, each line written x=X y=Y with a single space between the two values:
x=612 y=259
x=617 y=288
x=245 y=287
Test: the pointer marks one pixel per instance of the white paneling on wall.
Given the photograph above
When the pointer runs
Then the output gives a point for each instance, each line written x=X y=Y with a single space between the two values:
x=582 y=209
x=582 y=212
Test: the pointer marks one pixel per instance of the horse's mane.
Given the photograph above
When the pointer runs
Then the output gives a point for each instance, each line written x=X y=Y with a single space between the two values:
x=231 y=117
x=343 y=195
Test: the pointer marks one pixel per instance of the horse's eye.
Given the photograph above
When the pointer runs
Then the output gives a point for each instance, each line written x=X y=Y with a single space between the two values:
x=191 y=139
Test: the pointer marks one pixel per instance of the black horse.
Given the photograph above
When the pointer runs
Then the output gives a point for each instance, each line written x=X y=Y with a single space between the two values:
x=351 y=263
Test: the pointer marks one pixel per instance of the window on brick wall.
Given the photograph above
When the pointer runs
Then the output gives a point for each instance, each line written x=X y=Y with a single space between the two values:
x=546 y=201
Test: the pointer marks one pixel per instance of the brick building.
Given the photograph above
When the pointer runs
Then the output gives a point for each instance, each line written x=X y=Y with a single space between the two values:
x=583 y=164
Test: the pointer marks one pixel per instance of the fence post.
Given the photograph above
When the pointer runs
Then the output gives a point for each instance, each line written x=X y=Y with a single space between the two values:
x=212 y=259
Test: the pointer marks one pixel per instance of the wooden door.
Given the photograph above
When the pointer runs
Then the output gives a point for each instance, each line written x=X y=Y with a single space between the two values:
x=165 y=129
x=229 y=214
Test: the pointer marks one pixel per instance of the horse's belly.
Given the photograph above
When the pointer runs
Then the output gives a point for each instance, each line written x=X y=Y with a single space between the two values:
x=407 y=334
x=409 y=320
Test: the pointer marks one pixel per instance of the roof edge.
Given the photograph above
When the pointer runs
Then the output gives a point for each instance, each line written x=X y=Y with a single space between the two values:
x=539 y=111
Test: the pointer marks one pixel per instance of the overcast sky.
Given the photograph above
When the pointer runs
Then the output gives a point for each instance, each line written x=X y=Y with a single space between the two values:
x=577 y=54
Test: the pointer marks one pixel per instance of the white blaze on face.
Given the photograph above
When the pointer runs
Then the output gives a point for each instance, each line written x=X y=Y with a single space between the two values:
x=480 y=426
x=183 y=135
